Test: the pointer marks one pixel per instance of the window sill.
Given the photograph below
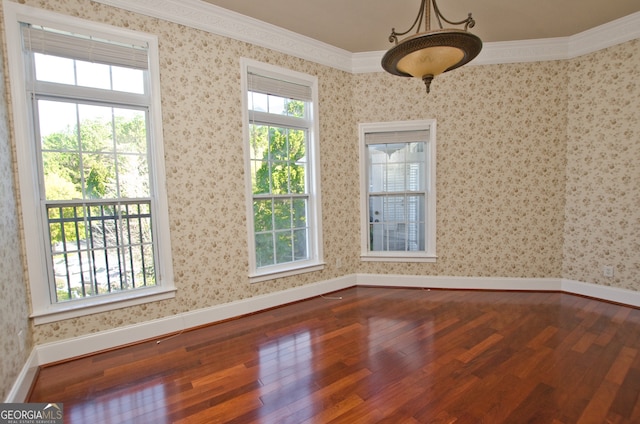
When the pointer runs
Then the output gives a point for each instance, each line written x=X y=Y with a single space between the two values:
x=74 y=309
x=272 y=275
x=392 y=258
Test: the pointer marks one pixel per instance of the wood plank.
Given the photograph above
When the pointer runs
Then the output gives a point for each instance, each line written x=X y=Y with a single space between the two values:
x=375 y=355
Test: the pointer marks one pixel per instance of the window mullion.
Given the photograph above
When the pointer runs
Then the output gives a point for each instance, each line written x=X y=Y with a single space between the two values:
x=89 y=94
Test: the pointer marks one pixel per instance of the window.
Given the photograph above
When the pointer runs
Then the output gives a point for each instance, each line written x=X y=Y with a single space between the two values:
x=90 y=164
x=282 y=172
x=398 y=191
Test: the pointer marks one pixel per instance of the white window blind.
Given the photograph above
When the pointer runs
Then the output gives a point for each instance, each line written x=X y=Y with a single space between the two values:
x=396 y=137
x=48 y=41
x=276 y=86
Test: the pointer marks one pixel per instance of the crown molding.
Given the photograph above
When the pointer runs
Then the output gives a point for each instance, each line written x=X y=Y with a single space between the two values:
x=217 y=20
x=220 y=21
x=610 y=34
x=615 y=32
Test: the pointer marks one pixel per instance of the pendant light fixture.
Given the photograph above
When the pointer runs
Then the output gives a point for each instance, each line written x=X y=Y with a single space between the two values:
x=429 y=53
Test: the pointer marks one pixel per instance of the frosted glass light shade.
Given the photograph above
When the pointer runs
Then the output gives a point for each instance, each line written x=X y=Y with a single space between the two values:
x=430 y=61
x=431 y=53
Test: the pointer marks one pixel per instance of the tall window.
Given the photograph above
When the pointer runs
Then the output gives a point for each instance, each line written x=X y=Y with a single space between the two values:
x=281 y=131
x=97 y=165
x=398 y=191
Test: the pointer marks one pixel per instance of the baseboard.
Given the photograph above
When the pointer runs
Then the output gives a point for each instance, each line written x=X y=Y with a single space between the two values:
x=103 y=340
x=606 y=293
x=22 y=385
x=596 y=291
x=466 y=283
x=83 y=345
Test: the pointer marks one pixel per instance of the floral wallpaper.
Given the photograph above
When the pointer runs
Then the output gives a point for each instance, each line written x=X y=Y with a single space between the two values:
x=602 y=225
x=202 y=124
x=14 y=306
x=500 y=165
x=505 y=167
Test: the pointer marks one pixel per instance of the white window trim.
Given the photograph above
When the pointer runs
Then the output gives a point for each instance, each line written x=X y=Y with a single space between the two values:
x=43 y=310
x=429 y=255
x=316 y=261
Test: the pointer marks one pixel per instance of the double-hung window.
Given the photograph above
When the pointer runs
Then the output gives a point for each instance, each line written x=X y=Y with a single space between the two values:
x=281 y=133
x=90 y=164
x=398 y=191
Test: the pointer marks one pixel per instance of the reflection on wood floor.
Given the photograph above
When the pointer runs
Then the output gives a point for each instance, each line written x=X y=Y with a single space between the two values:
x=374 y=355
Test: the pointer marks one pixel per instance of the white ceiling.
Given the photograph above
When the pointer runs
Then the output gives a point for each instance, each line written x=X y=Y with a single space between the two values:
x=364 y=25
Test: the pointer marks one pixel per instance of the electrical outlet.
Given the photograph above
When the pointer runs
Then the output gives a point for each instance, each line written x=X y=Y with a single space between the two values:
x=608 y=271
x=339 y=263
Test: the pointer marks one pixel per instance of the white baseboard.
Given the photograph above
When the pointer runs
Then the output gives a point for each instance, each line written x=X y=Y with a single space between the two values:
x=597 y=291
x=465 y=283
x=83 y=345
x=22 y=385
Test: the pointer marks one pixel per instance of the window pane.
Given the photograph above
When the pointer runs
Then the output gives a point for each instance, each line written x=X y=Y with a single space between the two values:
x=133 y=176
x=62 y=179
x=259 y=142
x=376 y=178
x=299 y=213
x=96 y=128
x=415 y=208
x=95 y=75
x=296 y=108
x=377 y=237
x=394 y=177
x=393 y=207
x=263 y=215
x=58 y=125
x=67 y=227
x=127 y=79
x=258 y=102
x=264 y=249
x=278 y=144
x=54 y=69
x=104 y=229
x=282 y=213
x=297 y=145
x=415 y=177
x=280 y=174
x=298 y=181
x=277 y=105
x=300 y=249
x=284 y=252
x=130 y=130
x=99 y=171
x=395 y=152
x=376 y=209
x=260 y=177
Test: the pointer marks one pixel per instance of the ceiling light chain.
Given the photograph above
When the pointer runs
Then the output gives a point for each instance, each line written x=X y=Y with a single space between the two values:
x=430 y=53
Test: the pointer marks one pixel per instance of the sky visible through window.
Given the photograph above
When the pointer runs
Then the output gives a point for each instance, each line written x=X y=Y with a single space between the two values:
x=84 y=74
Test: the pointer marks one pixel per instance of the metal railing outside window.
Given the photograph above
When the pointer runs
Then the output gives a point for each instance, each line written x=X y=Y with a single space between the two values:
x=104 y=247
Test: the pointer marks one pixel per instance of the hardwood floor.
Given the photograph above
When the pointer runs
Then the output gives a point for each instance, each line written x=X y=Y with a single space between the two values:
x=376 y=355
